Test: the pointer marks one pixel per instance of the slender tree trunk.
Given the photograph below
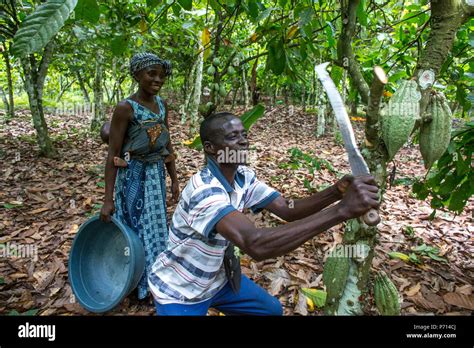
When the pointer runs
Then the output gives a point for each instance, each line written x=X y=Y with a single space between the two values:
x=196 y=98
x=234 y=95
x=245 y=89
x=34 y=81
x=321 y=127
x=303 y=98
x=83 y=88
x=335 y=127
x=5 y=102
x=11 y=106
x=253 y=83
x=217 y=43
x=99 y=112
x=64 y=89
x=189 y=91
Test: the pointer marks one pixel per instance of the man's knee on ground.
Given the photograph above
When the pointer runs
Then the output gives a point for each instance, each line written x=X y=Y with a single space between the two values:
x=276 y=308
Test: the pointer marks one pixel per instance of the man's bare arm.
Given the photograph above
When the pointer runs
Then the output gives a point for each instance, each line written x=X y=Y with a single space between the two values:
x=263 y=243
x=291 y=210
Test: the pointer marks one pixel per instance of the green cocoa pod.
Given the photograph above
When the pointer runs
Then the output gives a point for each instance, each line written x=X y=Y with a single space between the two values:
x=231 y=70
x=435 y=132
x=211 y=70
x=222 y=91
x=216 y=61
x=386 y=295
x=398 y=118
x=216 y=87
x=336 y=271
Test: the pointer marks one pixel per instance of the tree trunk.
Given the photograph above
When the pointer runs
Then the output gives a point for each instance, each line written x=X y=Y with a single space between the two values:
x=217 y=43
x=5 y=102
x=189 y=91
x=99 y=113
x=64 y=89
x=253 y=84
x=196 y=98
x=245 y=89
x=321 y=127
x=83 y=88
x=11 y=106
x=34 y=80
x=303 y=98
x=234 y=95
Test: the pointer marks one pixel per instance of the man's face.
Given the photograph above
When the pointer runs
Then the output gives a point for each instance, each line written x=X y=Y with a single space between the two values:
x=231 y=144
x=152 y=78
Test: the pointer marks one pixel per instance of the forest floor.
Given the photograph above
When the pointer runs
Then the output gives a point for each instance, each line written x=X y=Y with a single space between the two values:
x=44 y=201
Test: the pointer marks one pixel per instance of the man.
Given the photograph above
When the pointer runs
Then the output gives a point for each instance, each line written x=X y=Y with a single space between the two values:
x=198 y=270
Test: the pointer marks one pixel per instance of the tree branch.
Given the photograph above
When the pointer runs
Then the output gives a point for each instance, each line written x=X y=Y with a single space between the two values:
x=376 y=92
x=43 y=67
x=346 y=57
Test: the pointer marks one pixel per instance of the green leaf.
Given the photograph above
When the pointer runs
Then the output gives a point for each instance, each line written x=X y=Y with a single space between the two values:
x=101 y=184
x=152 y=3
x=336 y=74
x=31 y=312
x=88 y=10
x=2 y=281
x=408 y=230
x=252 y=116
x=413 y=258
x=276 y=59
x=450 y=183
x=459 y=197
x=361 y=14
x=317 y=296
x=176 y=9
x=436 y=203
x=420 y=248
x=305 y=16
x=437 y=258
x=40 y=27
x=420 y=190
x=253 y=9
x=11 y=206
x=186 y=4
x=263 y=15
x=330 y=35
x=118 y=45
x=13 y=312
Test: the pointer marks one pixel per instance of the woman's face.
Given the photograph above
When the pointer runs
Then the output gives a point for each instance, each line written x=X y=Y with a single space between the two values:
x=152 y=78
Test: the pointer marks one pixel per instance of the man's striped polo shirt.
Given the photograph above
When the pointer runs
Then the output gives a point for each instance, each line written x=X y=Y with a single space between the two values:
x=191 y=269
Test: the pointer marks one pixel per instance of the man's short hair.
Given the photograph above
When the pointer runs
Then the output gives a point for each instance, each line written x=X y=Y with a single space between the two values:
x=212 y=124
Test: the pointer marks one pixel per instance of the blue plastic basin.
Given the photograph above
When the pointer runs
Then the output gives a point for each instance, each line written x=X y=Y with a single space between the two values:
x=106 y=263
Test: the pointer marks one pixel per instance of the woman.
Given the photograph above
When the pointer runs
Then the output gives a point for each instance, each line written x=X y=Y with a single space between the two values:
x=139 y=133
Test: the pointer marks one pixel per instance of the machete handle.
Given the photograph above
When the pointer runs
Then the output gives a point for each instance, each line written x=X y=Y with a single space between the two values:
x=372 y=217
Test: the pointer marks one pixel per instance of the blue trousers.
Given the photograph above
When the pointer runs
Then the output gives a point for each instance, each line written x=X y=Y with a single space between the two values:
x=250 y=300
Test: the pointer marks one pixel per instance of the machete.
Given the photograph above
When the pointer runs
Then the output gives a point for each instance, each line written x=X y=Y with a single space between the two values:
x=356 y=161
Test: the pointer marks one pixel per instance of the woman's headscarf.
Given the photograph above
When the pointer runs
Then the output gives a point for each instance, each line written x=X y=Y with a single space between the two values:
x=143 y=60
